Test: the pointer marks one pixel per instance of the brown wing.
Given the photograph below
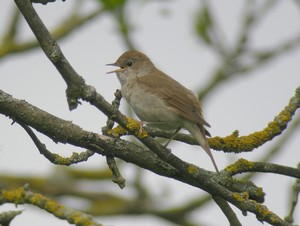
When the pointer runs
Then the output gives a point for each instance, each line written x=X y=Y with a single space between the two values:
x=175 y=95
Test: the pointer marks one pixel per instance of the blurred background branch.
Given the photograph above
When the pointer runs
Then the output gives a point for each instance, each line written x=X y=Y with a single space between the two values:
x=10 y=43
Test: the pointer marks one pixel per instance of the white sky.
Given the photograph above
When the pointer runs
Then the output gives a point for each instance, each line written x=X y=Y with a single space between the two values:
x=246 y=104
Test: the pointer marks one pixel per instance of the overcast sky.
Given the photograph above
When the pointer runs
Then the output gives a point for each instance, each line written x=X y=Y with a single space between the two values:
x=166 y=34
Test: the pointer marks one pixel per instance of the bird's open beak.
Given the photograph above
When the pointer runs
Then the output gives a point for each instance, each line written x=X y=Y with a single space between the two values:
x=115 y=71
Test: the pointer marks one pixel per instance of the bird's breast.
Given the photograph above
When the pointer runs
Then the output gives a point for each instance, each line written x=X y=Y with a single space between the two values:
x=149 y=107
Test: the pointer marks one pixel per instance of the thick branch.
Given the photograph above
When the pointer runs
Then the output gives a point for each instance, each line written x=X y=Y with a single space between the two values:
x=66 y=132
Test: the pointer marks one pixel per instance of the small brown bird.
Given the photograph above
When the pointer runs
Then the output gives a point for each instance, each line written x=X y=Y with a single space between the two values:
x=159 y=100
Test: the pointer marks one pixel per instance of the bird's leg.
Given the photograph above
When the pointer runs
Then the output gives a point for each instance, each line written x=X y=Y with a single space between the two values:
x=172 y=137
x=142 y=123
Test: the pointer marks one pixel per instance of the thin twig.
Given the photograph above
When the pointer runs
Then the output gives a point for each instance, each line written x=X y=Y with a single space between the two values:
x=227 y=210
x=273 y=151
x=116 y=175
x=294 y=200
x=110 y=160
x=242 y=165
x=55 y=158
x=7 y=216
x=12 y=28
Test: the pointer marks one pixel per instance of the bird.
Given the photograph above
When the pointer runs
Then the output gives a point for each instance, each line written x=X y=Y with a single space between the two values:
x=159 y=100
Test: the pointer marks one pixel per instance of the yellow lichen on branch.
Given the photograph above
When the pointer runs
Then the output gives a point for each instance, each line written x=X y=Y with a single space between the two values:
x=192 y=169
x=266 y=213
x=132 y=125
x=24 y=196
x=244 y=196
x=239 y=166
x=234 y=143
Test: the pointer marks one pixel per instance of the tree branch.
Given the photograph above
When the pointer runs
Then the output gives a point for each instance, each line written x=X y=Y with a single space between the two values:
x=8 y=216
x=110 y=160
x=231 y=216
x=294 y=200
x=24 y=196
x=242 y=165
x=55 y=158
x=44 y=2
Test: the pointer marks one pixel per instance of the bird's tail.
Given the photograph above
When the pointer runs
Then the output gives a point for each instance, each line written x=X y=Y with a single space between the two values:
x=199 y=134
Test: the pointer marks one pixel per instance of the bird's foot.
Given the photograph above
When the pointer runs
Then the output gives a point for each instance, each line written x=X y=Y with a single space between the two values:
x=142 y=123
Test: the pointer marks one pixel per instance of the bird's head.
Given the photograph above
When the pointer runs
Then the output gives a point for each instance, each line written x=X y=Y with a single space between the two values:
x=132 y=64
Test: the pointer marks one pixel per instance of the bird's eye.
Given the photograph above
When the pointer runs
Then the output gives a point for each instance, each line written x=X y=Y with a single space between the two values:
x=129 y=63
